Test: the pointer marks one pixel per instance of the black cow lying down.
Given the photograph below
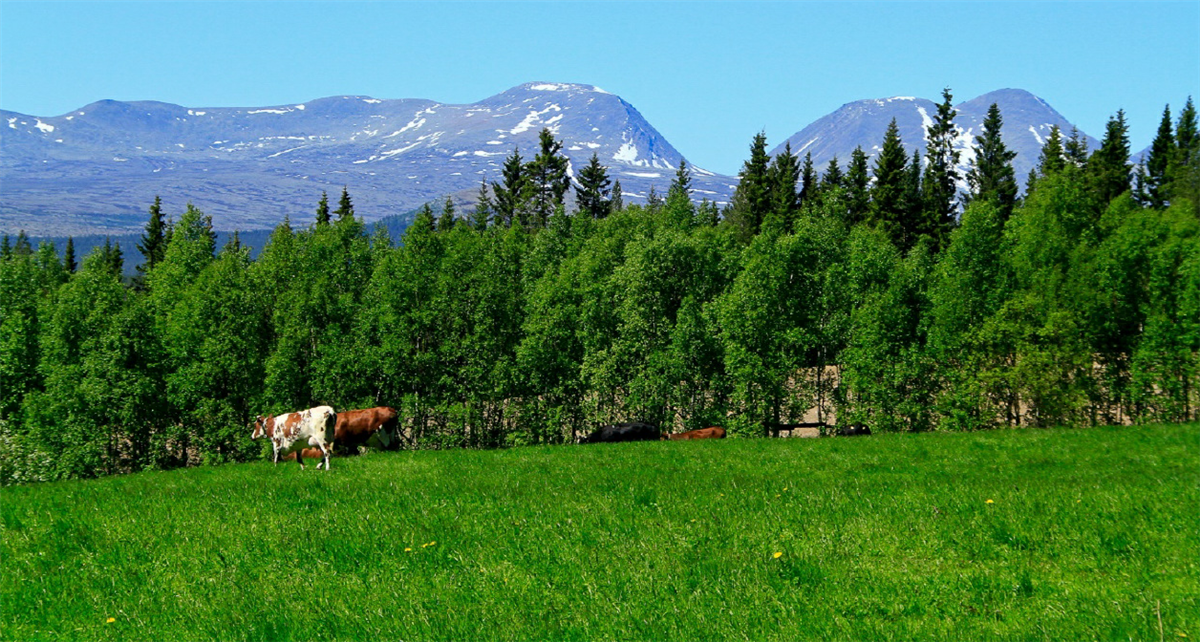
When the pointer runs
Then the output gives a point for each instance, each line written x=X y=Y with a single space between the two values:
x=854 y=430
x=635 y=431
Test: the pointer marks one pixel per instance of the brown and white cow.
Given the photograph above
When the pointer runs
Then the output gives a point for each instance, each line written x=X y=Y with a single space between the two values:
x=294 y=431
x=715 y=432
x=359 y=427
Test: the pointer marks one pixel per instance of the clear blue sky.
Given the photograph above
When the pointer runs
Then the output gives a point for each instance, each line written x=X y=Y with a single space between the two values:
x=708 y=75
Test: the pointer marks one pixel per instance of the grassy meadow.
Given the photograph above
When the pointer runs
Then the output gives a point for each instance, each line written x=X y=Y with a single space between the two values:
x=1017 y=535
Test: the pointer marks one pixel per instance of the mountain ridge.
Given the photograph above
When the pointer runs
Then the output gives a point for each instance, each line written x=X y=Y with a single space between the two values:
x=96 y=169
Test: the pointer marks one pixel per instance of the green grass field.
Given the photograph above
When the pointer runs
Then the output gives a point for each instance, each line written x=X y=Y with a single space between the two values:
x=1088 y=534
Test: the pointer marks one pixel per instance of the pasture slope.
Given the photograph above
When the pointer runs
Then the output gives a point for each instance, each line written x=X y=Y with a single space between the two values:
x=1088 y=534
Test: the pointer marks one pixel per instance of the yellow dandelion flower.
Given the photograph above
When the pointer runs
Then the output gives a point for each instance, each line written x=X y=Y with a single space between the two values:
x=785 y=490
x=777 y=555
x=407 y=550
x=778 y=496
x=990 y=502
x=110 y=620
x=432 y=543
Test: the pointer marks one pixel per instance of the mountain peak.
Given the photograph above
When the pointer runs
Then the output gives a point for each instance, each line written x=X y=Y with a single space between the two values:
x=560 y=86
x=1027 y=122
x=248 y=167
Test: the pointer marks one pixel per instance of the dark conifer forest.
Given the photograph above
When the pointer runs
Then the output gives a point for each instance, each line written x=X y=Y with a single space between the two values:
x=891 y=292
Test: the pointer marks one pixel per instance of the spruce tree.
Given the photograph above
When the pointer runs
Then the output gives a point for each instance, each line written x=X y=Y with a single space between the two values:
x=323 y=209
x=1187 y=140
x=5 y=248
x=591 y=195
x=345 y=210
x=680 y=212
x=446 y=220
x=913 y=202
x=940 y=181
x=511 y=193
x=117 y=261
x=69 y=256
x=1109 y=168
x=784 y=173
x=1141 y=184
x=154 y=242
x=808 y=179
x=991 y=173
x=707 y=213
x=617 y=203
x=548 y=176
x=833 y=175
x=1076 y=149
x=424 y=221
x=858 y=198
x=483 y=208
x=1153 y=175
x=22 y=247
x=653 y=200
x=683 y=181
x=752 y=198
x=1052 y=159
x=887 y=194
x=234 y=243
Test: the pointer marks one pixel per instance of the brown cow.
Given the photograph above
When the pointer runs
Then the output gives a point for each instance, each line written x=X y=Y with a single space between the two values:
x=357 y=427
x=715 y=432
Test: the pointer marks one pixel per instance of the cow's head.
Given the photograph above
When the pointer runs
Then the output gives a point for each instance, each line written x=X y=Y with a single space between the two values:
x=261 y=428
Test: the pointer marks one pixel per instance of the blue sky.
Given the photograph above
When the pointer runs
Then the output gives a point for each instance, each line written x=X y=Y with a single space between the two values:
x=708 y=75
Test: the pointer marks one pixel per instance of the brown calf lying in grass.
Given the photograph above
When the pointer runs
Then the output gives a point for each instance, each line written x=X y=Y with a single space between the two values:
x=715 y=432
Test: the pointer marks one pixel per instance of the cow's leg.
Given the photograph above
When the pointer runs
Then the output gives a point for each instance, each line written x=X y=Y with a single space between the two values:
x=325 y=451
x=300 y=458
x=275 y=452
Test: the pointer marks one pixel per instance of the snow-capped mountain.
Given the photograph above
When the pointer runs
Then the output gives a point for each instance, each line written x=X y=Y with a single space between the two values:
x=1027 y=123
x=97 y=169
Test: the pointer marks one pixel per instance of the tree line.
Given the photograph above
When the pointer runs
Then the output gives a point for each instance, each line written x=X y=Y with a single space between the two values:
x=881 y=295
